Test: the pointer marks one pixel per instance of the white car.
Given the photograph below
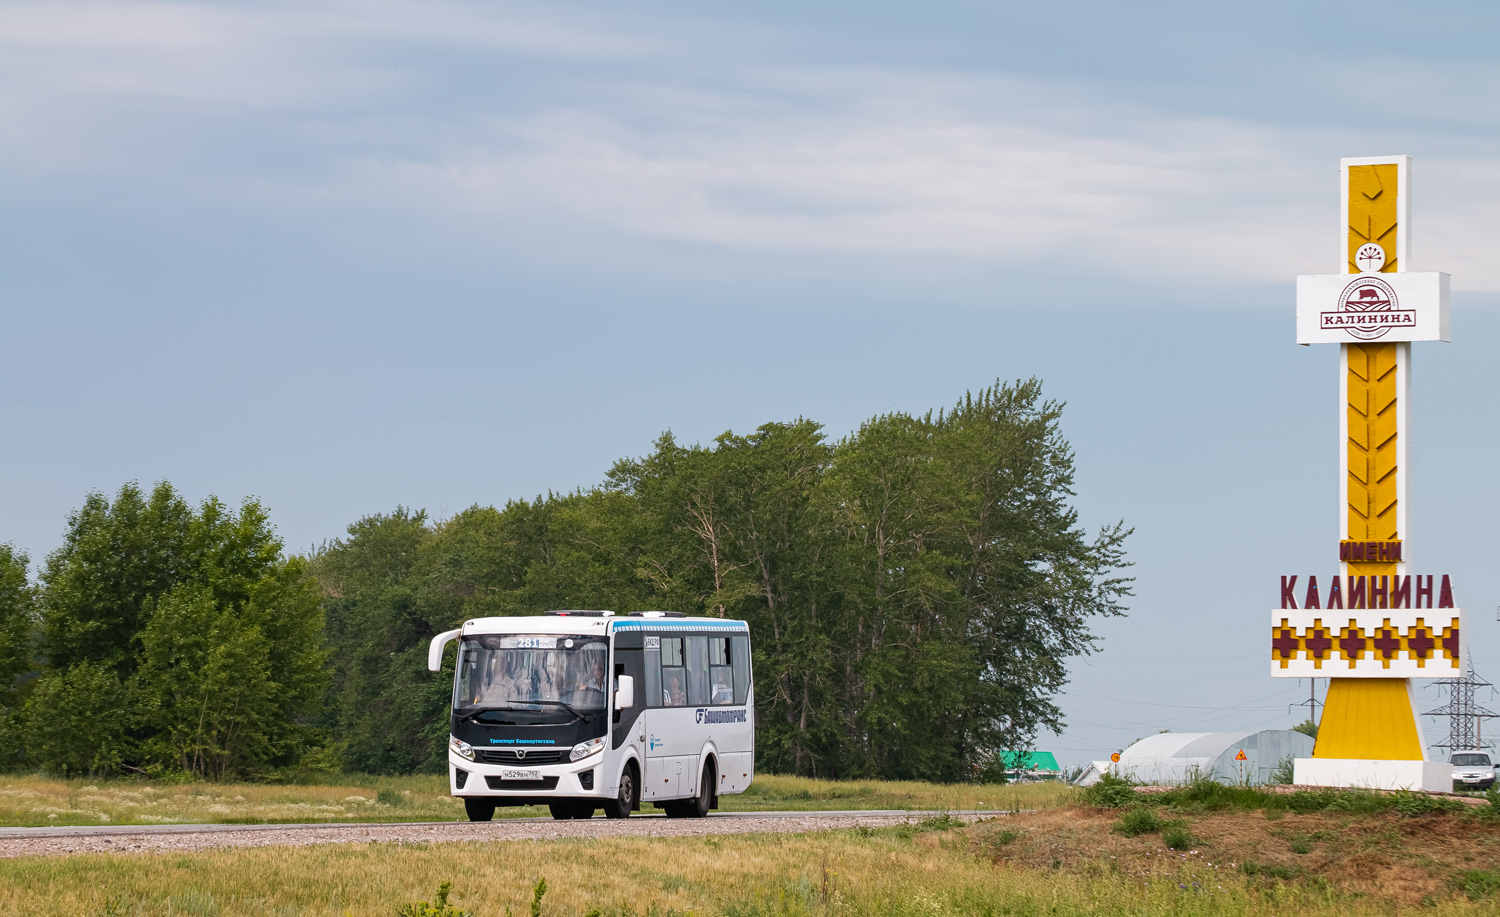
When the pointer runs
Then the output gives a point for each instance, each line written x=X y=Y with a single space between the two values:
x=1472 y=770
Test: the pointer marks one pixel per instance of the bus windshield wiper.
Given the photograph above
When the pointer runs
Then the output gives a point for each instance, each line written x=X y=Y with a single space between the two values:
x=522 y=709
x=475 y=711
x=566 y=706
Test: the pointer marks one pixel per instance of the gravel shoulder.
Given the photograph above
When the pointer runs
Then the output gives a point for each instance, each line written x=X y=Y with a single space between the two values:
x=25 y=842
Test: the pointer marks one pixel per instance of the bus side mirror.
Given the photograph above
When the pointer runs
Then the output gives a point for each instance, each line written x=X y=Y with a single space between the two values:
x=435 y=649
x=625 y=693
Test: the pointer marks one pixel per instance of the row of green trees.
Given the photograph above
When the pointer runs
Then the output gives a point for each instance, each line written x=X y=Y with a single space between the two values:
x=162 y=638
x=913 y=591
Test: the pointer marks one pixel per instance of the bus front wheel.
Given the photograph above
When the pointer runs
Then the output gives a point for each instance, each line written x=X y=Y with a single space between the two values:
x=479 y=809
x=624 y=803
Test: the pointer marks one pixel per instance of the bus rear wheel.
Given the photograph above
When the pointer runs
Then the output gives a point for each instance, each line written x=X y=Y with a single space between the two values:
x=698 y=806
x=479 y=809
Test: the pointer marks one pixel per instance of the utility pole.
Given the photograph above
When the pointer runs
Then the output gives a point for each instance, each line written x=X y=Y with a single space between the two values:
x=1465 y=717
x=1312 y=703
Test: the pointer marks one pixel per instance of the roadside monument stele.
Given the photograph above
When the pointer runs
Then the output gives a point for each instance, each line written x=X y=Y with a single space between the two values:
x=1379 y=621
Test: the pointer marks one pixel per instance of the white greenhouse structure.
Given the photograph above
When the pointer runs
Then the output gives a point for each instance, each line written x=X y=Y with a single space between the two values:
x=1170 y=758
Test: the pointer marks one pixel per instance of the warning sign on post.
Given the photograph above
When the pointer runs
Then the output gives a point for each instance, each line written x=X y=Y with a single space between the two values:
x=1241 y=756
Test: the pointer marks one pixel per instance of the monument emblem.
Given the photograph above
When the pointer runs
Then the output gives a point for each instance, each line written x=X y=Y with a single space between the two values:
x=1367 y=309
x=1370 y=257
x=1379 y=621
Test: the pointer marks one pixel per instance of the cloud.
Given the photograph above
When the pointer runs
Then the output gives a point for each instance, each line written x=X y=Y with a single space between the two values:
x=292 y=56
x=1204 y=198
x=345 y=111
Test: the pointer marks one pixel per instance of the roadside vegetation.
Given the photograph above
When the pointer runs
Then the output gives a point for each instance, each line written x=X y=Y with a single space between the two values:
x=35 y=801
x=1058 y=862
x=1402 y=848
x=913 y=590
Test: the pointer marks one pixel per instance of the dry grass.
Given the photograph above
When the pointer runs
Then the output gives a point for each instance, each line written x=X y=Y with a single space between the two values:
x=1384 y=859
x=34 y=801
x=31 y=801
x=777 y=793
x=901 y=871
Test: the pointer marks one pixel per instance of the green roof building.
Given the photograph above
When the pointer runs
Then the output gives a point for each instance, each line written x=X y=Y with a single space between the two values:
x=1030 y=765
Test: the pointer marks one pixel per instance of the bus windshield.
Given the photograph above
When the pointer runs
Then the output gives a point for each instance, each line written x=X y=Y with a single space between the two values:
x=532 y=672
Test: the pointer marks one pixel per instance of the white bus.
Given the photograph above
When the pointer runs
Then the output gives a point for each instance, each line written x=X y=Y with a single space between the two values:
x=582 y=710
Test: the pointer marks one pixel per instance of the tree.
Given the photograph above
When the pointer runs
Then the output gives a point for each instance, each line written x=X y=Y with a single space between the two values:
x=75 y=721
x=118 y=557
x=17 y=644
x=1307 y=727
x=174 y=638
x=913 y=590
x=382 y=704
x=17 y=622
x=733 y=530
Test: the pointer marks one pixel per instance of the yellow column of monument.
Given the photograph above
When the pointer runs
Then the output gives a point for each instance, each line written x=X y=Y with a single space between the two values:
x=1371 y=718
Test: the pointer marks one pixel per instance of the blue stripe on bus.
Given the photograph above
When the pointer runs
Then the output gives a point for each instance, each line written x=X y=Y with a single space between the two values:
x=658 y=624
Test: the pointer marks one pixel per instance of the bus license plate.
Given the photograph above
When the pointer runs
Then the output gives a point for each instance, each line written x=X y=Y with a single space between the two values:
x=509 y=774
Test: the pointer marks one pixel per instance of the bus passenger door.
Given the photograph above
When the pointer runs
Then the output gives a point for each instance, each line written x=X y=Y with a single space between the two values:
x=661 y=768
x=660 y=779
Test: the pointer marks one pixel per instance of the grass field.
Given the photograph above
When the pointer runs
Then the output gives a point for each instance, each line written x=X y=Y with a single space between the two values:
x=1059 y=862
x=35 y=801
x=1204 y=850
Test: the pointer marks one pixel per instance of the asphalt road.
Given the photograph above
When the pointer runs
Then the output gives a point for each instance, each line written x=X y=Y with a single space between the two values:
x=148 y=839
x=111 y=830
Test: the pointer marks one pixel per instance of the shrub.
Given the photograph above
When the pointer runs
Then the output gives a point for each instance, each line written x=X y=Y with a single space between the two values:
x=1273 y=871
x=1307 y=801
x=1360 y=802
x=536 y=897
x=1355 y=802
x=439 y=908
x=1110 y=792
x=1478 y=883
x=1177 y=837
x=940 y=822
x=1204 y=795
x=1490 y=812
x=1418 y=804
x=1137 y=821
x=1285 y=771
x=1001 y=838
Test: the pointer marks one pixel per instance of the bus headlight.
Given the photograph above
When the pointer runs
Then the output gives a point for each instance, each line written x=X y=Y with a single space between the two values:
x=464 y=749
x=584 y=749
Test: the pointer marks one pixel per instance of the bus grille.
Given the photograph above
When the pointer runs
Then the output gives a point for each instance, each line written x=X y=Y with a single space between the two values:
x=546 y=783
x=509 y=756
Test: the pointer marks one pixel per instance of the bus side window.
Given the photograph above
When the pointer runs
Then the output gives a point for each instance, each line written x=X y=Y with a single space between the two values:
x=653 y=671
x=697 y=670
x=673 y=673
x=740 y=655
x=720 y=675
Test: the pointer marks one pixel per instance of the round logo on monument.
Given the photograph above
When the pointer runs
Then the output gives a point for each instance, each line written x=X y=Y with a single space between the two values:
x=1362 y=302
x=1370 y=258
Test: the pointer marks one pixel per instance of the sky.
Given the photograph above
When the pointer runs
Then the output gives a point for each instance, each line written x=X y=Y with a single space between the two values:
x=349 y=256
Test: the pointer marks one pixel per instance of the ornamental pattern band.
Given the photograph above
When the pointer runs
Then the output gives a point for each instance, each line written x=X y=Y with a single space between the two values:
x=1330 y=644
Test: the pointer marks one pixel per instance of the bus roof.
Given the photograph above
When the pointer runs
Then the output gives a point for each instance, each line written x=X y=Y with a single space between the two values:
x=576 y=623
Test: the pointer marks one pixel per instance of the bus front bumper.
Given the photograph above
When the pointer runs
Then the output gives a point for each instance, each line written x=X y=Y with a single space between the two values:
x=510 y=784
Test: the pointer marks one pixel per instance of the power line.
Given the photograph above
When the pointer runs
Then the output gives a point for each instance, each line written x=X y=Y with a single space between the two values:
x=1173 y=681
x=1465 y=717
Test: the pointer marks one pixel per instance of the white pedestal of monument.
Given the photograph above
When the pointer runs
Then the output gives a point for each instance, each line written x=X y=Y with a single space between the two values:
x=1373 y=775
